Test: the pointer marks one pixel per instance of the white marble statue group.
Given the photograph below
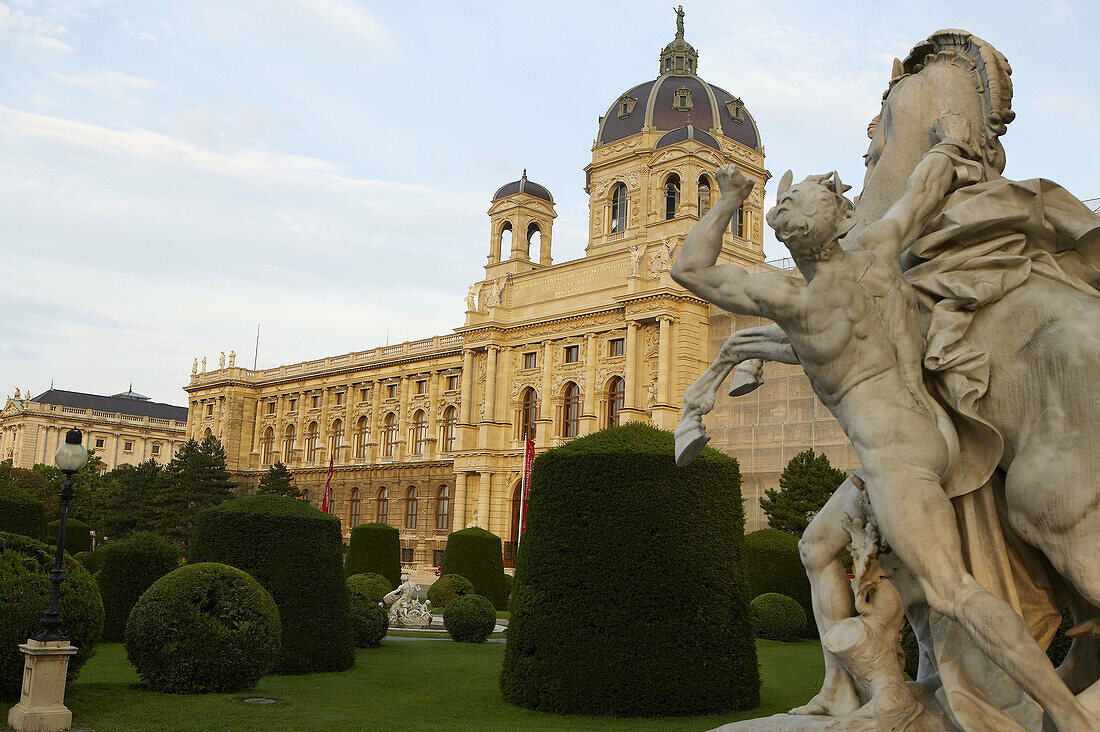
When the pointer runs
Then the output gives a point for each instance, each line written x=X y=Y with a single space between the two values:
x=405 y=611
x=950 y=321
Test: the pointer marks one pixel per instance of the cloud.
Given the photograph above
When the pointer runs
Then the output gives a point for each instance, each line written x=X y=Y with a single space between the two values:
x=35 y=30
x=111 y=84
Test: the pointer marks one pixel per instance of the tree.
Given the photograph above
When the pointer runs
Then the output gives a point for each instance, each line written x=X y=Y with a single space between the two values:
x=805 y=485
x=126 y=502
x=196 y=478
x=86 y=483
x=278 y=481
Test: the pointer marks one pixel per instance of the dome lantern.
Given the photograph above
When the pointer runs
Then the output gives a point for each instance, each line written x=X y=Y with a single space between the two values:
x=679 y=58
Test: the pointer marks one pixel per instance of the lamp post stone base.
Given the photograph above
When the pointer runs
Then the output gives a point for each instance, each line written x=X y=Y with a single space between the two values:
x=41 y=706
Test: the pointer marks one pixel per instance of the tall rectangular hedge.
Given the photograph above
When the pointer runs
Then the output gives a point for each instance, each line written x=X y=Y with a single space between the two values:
x=375 y=548
x=476 y=555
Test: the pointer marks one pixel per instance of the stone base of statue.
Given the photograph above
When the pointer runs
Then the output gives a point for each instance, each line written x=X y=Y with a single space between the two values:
x=41 y=706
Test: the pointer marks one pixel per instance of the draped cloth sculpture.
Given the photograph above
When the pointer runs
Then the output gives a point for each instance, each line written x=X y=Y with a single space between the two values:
x=997 y=280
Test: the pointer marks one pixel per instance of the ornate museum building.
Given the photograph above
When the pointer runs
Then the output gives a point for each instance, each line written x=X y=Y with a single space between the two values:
x=123 y=429
x=428 y=435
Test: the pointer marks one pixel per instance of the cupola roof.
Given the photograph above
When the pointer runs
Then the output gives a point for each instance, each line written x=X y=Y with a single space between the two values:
x=523 y=185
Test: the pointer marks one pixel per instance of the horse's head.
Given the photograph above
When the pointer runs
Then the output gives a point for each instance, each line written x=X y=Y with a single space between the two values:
x=953 y=71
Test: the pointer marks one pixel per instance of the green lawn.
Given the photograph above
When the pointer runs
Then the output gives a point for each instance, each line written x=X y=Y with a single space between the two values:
x=405 y=685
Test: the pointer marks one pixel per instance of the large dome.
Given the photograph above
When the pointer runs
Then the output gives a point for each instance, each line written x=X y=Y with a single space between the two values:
x=675 y=98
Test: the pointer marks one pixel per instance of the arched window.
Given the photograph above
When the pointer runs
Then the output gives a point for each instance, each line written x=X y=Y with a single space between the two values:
x=534 y=237
x=529 y=414
x=208 y=433
x=288 y=441
x=618 y=208
x=307 y=497
x=389 y=434
x=362 y=436
x=571 y=411
x=336 y=439
x=450 y=424
x=353 y=508
x=704 y=195
x=383 y=512
x=505 y=239
x=672 y=196
x=513 y=538
x=443 y=509
x=267 y=446
x=411 y=503
x=313 y=447
x=616 y=397
x=419 y=432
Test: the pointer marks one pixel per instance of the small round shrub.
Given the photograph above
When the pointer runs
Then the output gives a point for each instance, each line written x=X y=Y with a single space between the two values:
x=447 y=588
x=25 y=565
x=127 y=569
x=375 y=548
x=772 y=564
x=477 y=555
x=293 y=550
x=369 y=621
x=370 y=585
x=203 y=628
x=470 y=619
x=629 y=595
x=778 y=617
x=91 y=561
x=21 y=513
x=78 y=535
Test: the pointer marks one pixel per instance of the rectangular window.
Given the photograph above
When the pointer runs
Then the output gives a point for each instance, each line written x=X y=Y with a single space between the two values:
x=315 y=401
x=292 y=404
x=209 y=410
x=391 y=393
x=437 y=557
x=339 y=397
x=100 y=442
x=615 y=347
x=407 y=555
x=364 y=395
x=530 y=360
x=156 y=449
x=271 y=407
x=128 y=446
x=572 y=354
x=452 y=383
x=422 y=386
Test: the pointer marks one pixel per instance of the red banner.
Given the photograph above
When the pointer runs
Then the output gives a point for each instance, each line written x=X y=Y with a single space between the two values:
x=326 y=501
x=528 y=465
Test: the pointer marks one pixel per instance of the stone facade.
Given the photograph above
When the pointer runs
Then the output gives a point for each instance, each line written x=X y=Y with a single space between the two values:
x=124 y=429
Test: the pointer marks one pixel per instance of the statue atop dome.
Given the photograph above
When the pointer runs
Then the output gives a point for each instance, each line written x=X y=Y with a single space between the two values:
x=679 y=21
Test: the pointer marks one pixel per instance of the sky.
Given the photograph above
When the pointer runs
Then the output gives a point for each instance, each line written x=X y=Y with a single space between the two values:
x=174 y=173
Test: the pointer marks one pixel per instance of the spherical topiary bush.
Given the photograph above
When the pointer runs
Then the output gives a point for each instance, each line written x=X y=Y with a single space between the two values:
x=78 y=535
x=370 y=585
x=470 y=619
x=369 y=621
x=629 y=594
x=127 y=569
x=375 y=548
x=25 y=565
x=21 y=513
x=202 y=628
x=778 y=617
x=477 y=555
x=293 y=550
x=772 y=564
x=447 y=588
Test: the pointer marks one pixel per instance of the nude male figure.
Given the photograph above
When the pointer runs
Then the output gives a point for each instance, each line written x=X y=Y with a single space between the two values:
x=853 y=322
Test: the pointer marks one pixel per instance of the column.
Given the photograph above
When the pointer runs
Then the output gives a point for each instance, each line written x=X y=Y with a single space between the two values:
x=373 y=419
x=433 y=409
x=402 y=418
x=299 y=425
x=323 y=428
x=588 y=413
x=257 y=433
x=491 y=383
x=484 y=500
x=465 y=411
x=631 y=373
x=664 y=358
x=458 y=517
x=544 y=431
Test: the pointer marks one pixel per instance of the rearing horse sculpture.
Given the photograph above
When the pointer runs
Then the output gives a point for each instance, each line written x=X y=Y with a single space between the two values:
x=1008 y=281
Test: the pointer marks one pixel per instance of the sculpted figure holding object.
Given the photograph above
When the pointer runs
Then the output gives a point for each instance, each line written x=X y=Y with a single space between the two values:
x=853 y=322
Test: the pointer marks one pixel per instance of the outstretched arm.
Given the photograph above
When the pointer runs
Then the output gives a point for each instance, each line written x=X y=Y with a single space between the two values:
x=695 y=267
x=925 y=190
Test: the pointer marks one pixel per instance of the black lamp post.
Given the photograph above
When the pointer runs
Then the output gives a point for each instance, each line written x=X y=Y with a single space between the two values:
x=70 y=457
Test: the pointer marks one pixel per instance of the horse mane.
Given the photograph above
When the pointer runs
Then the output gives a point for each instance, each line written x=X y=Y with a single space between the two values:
x=989 y=70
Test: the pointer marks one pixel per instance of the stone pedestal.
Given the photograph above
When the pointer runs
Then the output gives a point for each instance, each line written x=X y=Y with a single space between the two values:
x=41 y=706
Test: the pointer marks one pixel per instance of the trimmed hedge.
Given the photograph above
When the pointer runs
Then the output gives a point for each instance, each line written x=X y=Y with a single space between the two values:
x=25 y=565
x=91 y=561
x=629 y=595
x=477 y=555
x=778 y=617
x=293 y=550
x=447 y=588
x=772 y=564
x=127 y=569
x=21 y=513
x=369 y=621
x=202 y=628
x=370 y=585
x=78 y=535
x=375 y=549
x=470 y=619
x=509 y=584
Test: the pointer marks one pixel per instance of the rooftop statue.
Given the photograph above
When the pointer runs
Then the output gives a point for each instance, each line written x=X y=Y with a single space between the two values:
x=949 y=323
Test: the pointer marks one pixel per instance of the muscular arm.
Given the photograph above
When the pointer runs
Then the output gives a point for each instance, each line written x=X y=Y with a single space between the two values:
x=695 y=267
